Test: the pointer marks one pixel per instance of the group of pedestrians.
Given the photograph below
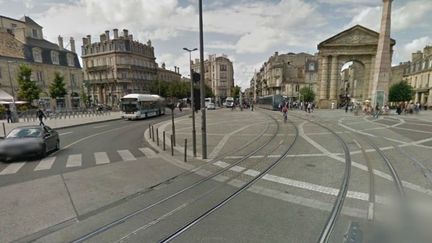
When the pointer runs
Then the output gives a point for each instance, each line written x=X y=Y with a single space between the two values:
x=409 y=108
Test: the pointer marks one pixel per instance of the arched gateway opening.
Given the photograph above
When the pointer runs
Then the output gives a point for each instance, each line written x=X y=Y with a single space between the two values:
x=356 y=48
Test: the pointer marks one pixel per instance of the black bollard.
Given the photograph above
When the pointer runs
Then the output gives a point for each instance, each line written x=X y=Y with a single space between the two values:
x=185 y=150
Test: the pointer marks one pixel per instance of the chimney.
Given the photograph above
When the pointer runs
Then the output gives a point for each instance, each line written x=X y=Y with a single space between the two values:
x=427 y=51
x=276 y=53
x=107 y=35
x=131 y=37
x=417 y=56
x=125 y=33
x=102 y=38
x=72 y=44
x=85 y=41
x=115 y=33
x=175 y=69
x=89 y=39
x=60 y=42
x=178 y=69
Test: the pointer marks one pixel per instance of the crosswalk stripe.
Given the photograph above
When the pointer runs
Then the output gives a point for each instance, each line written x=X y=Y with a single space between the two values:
x=74 y=160
x=126 y=155
x=149 y=153
x=12 y=168
x=45 y=164
x=101 y=158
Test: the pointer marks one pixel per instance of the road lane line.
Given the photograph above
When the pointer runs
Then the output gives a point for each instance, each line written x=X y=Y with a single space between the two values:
x=101 y=158
x=101 y=126
x=148 y=152
x=126 y=155
x=45 y=164
x=12 y=168
x=221 y=164
x=65 y=133
x=74 y=160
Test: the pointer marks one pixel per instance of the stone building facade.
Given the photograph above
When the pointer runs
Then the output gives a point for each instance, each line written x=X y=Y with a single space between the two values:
x=286 y=74
x=22 y=42
x=164 y=74
x=219 y=75
x=418 y=73
x=114 y=67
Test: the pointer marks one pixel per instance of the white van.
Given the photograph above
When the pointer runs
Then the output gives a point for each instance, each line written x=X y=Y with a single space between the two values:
x=229 y=102
x=207 y=102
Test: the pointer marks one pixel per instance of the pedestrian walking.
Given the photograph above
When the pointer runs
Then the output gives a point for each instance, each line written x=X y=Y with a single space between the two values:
x=309 y=107
x=285 y=113
x=8 y=115
x=377 y=111
x=346 y=108
x=41 y=115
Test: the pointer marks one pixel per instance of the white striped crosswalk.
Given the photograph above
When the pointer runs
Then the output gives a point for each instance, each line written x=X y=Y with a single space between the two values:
x=74 y=161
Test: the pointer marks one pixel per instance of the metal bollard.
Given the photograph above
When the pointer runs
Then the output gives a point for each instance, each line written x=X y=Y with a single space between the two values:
x=153 y=136
x=185 y=150
x=172 y=145
x=163 y=140
x=157 y=136
x=4 y=130
x=150 y=131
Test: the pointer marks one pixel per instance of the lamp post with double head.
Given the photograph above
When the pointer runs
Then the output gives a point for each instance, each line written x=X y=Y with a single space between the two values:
x=192 y=99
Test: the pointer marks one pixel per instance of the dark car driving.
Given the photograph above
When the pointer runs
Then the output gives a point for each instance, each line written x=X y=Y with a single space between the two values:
x=29 y=141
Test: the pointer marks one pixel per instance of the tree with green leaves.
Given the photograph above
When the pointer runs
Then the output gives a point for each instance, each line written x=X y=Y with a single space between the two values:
x=307 y=94
x=28 y=90
x=235 y=91
x=57 y=88
x=401 y=91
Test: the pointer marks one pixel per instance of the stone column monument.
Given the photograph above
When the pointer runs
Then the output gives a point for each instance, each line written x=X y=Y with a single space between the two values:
x=382 y=70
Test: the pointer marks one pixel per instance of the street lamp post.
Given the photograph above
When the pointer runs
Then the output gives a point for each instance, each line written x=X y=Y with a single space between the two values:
x=192 y=100
x=203 y=109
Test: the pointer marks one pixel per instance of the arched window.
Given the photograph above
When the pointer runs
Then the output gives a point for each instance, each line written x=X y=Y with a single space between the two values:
x=37 y=55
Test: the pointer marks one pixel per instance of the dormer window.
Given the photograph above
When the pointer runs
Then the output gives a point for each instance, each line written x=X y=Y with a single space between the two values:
x=311 y=66
x=70 y=60
x=37 y=55
x=54 y=57
x=35 y=33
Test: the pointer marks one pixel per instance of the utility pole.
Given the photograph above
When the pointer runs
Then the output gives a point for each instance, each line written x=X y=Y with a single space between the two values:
x=202 y=71
x=192 y=100
x=13 y=108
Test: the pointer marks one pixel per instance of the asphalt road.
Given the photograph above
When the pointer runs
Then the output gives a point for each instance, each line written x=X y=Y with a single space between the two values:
x=84 y=147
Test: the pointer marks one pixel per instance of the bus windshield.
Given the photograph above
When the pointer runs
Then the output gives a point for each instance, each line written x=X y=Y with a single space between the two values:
x=129 y=107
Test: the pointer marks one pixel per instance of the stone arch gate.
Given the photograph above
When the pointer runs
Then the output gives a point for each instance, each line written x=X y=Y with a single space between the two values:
x=357 y=44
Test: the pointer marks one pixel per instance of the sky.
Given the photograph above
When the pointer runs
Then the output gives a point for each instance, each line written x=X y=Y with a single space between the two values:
x=247 y=31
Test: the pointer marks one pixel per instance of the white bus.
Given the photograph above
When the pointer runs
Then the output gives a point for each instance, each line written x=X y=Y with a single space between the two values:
x=136 y=106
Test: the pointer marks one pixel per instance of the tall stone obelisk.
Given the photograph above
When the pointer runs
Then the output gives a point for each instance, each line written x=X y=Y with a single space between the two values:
x=382 y=70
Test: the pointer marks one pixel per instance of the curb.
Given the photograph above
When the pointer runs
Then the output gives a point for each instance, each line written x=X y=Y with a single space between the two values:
x=87 y=123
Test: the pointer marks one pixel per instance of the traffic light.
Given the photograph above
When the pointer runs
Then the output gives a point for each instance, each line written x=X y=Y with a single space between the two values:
x=197 y=103
x=196 y=77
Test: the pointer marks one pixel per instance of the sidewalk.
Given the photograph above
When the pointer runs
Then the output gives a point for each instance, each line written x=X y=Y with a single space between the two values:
x=226 y=131
x=66 y=121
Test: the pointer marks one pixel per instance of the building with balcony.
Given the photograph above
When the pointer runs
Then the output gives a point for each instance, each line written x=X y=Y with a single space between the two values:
x=116 y=66
x=164 y=74
x=417 y=73
x=286 y=74
x=219 y=75
x=22 y=43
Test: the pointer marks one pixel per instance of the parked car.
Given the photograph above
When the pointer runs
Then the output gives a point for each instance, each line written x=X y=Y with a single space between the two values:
x=28 y=141
x=211 y=106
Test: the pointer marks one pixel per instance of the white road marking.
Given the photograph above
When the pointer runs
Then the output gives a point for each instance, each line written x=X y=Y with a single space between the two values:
x=149 y=153
x=45 y=164
x=74 y=160
x=101 y=126
x=101 y=158
x=371 y=211
x=250 y=172
x=65 y=133
x=221 y=164
x=237 y=168
x=126 y=155
x=12 y=168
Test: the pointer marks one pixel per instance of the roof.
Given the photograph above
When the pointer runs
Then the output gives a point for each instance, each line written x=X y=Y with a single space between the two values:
x=360 y=27
x=143 y=97
x=2 y=16
x=29 y=20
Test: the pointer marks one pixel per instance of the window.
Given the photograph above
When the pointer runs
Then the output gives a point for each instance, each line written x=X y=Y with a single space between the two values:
x=13 y=26
x=311 y=66
x=72 y=80
x=55 y=57
x=0 y=73
x=34 y=32
x=223 y=67
x=37 y=55
x=297 y=88
x=70 y=60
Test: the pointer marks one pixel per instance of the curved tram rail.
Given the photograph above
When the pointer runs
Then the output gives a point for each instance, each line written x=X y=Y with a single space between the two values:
x=197 y=183
x=233 y=195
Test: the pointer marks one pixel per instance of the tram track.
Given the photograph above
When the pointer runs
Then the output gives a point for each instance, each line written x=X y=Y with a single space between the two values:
x=141 y=211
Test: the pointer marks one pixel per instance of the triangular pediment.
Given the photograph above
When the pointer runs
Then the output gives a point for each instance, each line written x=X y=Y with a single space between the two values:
x=357 y=35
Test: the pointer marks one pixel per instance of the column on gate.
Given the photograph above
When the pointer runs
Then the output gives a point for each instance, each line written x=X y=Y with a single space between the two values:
x=333 y=78
x=416 y=98
x=429 y=99
x=324 y=78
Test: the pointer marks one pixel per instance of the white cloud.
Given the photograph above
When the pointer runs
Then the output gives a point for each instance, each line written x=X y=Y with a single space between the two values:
x=418 y=44
x=403 y=17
